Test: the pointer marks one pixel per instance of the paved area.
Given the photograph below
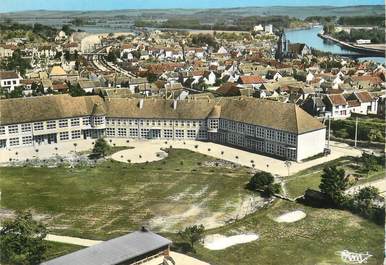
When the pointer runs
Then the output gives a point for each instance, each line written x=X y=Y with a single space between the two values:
x=379 y=184
x=150 y=148
x=72 y=240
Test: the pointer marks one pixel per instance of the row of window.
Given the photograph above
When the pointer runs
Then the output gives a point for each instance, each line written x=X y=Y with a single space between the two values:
x=155 y=133
x=38 y=126
x=257 y=145
x=258 y=132
x=152 y=122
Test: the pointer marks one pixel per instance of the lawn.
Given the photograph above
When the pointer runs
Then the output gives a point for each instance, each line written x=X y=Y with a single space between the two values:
x=313 y=240
x=310 y=178
x=59 y=249
x=114 y=198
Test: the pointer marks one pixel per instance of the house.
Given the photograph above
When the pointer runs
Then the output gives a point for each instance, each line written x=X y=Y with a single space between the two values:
x=337 y=106
x=6 y=50
x=314 y=106
x=222 y=50
x=228 y=90
x=61 y=36
x=88 y=85
x=57 y=72
x=268 y=29
x=9 y=80
x=299 y=49
x=128 y=249
x=251 y=81
x=366 y=104
x=258 y=28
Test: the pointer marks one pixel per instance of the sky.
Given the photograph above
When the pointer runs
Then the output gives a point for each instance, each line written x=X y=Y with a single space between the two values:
x=22 y=5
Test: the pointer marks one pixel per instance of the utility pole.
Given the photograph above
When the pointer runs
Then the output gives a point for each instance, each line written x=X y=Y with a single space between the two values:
x=329 y=132
x=356 y=131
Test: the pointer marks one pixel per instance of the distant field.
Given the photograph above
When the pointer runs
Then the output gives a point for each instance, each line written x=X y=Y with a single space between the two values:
x=114 y=198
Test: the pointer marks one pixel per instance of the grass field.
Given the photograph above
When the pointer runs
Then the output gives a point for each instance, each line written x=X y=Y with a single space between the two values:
x=313 y=240
x=114 y=198
x=59 y=249
x=310 y=178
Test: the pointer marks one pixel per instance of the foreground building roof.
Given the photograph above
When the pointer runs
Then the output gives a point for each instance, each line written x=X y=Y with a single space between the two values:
x=267 y=113
x=121 y=250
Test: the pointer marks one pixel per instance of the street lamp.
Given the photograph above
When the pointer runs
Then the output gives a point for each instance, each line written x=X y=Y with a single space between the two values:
x=288 y=163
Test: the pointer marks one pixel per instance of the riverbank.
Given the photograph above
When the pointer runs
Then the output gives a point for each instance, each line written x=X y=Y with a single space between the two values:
x=353 y=47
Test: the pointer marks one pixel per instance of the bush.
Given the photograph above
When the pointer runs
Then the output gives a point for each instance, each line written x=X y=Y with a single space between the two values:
x=264 y=181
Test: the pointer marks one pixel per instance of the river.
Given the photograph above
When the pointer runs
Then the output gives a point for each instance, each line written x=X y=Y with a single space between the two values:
x=310 y=37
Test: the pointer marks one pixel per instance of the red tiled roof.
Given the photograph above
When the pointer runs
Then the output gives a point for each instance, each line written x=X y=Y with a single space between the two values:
x=8 y=75
x=337 y=99
x=251 y=79
x=364 y=96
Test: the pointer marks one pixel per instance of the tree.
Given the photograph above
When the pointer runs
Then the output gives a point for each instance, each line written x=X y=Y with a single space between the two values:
x=192 y=234
x=333 y=184
x=264 y=181
x=21 y=240
x=151 y=78
x=369 y=162
x=365 y=197
x=101 y=148
x=75 y=91
x=375 y=135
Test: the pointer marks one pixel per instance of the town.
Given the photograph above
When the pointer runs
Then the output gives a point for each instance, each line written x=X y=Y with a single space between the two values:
x=162 y=145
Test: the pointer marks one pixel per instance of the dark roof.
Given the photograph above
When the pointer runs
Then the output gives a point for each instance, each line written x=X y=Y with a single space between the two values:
x=115 y=251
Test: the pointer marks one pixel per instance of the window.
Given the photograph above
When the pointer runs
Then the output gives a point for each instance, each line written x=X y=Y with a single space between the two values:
x=250 y=130
x=280 y=150
x=14 y=141
x=270 y=148
x=99 y=121
x=75 y=122
x=38 y=126
x=63 y=136
x=191 y=134
x=51 y=124
x=291 y=153
x=213 y=123
x=75 y=134
x=270 y=134
x=3 y=143
x=63 y=123
x=259 y=146
x=202 y=134
x=281 y=137
x=26 y=127
x=180 y=134
x=260 y=132
x=240 y=127
x=13 y=129
x=291 y=138
x=26 y=140
x=121 y=132
x=144 y=133
x=86 y=120
x=168 y=134
x=110 y=132
x=133 y=132
x=2 y=129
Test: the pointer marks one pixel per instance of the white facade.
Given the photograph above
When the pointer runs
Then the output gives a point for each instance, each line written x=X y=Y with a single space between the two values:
x=309 y=144
x=10 y=83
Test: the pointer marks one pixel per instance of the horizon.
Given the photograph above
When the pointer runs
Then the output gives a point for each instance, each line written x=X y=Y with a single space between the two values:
x=10 y=6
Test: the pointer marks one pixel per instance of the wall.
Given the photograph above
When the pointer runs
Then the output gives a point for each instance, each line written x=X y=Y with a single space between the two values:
x=310 y=144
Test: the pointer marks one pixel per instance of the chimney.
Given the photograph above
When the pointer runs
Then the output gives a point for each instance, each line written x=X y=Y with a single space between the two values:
x=174 y=104
x=141 y=103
